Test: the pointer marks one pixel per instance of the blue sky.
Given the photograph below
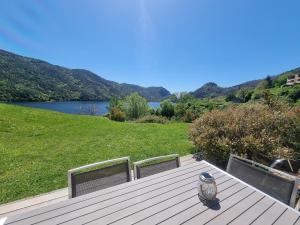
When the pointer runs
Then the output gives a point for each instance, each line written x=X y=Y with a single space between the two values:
x=178 y=44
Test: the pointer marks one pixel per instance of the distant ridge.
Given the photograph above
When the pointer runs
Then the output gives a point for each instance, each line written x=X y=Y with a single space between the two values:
x=28 y=79
x=213 y=90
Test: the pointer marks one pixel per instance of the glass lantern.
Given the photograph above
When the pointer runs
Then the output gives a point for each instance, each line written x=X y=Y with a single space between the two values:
x=207 y=187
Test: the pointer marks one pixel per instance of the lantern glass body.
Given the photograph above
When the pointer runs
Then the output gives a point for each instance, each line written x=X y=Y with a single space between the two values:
x=207 y=187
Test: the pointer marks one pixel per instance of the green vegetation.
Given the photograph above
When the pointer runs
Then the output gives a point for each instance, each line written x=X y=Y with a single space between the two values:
x=134 y=106
x=185 y=108
x=276 y=87
x=167 y=109
x=27 y=79
x=38 y=147
x=260 y=132
x=152 y=119
x=189 y=108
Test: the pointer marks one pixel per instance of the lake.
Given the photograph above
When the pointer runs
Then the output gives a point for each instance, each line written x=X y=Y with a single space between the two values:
x=76 y=107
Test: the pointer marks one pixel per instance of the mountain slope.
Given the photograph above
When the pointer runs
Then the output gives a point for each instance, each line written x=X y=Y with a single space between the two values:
x=27 y=79
x=213 y=90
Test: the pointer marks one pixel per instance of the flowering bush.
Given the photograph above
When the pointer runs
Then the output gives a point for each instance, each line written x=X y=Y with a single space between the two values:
x=116 y=114
x=152 y=119
x=255 y=131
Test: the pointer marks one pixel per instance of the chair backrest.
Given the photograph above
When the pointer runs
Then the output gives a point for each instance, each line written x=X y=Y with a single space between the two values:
x=273 y=182
x=98 y=176
x=155 y=165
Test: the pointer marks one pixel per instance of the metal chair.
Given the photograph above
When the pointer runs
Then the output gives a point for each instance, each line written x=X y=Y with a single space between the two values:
x=97 y=176
x=155 y=165
x=273 y=182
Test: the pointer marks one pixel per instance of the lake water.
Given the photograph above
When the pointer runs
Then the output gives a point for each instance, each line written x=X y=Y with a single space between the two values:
x=76 y=107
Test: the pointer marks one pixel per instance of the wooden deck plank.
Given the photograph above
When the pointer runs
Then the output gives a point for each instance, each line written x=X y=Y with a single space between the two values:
x=170 y=197
x=253 y=212
x=236 y=210
x=288 y=217
x=46 y=199
x=34 y=202
x=164 y=214
x=225 y=203
x=297 y=222
x=147 y=184
x=271 y=215
x=142 y=198
x=141 y=214
x=207 y=215
x=188 y=210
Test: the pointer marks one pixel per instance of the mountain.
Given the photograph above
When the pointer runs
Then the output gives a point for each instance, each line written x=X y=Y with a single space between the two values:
x=213 y=90
x=28 y=79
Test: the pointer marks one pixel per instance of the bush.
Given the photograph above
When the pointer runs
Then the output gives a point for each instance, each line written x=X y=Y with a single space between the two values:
x=294 y=93
x=189 y=116
x=116 y=114
x=167 y=109
x=188 y=108
x=244 y=95
x=135 y=106
x=255 y=131
x=152 y=119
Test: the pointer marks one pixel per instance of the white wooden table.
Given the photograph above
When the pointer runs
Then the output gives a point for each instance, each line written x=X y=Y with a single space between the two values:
x=166 y=198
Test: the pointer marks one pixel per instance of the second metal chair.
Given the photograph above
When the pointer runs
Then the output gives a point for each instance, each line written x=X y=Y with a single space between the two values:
x=155 y=165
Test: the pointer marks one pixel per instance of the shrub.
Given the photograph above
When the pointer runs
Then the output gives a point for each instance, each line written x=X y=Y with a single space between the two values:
x=167 y=109
x=294 y=94
x=281 y=80
x=255 y=131
x=230 y=97
x=114 y=102
x=189 y=116
x=116 y=114
x=244 y=95
x=135 y=106
x=188 y=108
x=152 y=119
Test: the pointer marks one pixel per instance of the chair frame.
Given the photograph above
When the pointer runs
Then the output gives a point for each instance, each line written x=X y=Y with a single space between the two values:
x=136 y=164
x=270 y=170
x=78 y=169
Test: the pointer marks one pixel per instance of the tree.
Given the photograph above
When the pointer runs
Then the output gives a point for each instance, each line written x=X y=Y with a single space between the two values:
x=114 y=102
x=294 y=94
x=244 y=95
x=167 y=109
x=230 y=97
x=269 y=81
x=135 y=106
x=266 y=83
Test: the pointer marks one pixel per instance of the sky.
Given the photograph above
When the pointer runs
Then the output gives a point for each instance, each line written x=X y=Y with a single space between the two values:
x=177 y=44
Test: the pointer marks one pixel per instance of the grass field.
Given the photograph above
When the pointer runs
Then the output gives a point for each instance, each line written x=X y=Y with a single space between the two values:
x=37 y=147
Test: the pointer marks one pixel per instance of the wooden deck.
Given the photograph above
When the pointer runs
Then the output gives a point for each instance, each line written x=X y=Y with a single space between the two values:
x=166 y=198
x=50 y=198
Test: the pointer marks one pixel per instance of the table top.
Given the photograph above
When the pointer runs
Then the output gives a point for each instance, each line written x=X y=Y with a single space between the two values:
x=170 y=197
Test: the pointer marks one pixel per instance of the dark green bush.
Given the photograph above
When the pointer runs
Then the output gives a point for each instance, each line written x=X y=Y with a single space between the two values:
x=167 y=109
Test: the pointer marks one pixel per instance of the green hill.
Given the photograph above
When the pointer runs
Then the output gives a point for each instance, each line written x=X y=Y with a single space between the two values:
x=213 y=90
x=27 y=79
x=38 y=147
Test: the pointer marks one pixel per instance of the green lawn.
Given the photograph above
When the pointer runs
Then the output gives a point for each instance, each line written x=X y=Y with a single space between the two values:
x=37 y=147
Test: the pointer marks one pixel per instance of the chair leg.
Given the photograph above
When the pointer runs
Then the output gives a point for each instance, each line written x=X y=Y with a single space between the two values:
x=297 y=206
